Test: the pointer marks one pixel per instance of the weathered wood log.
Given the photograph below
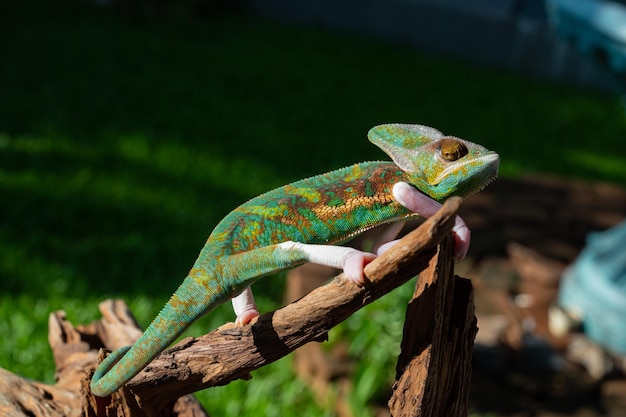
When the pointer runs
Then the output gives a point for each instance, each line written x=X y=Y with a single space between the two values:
x=75 y=352
x=434 y=366
x=226 y=354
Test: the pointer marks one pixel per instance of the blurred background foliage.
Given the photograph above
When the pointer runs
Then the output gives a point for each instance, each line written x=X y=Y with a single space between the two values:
x=128 y=132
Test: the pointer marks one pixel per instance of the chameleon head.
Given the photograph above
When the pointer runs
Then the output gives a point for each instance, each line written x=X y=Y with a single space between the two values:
x=438 y=165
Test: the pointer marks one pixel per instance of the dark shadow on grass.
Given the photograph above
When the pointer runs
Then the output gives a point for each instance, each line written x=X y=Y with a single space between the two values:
x=285 y=102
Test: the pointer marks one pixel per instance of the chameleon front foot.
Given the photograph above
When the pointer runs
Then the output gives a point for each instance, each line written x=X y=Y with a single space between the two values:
x=425 y=206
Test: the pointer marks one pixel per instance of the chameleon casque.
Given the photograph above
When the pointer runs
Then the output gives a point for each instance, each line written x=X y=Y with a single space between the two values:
x=302 y=221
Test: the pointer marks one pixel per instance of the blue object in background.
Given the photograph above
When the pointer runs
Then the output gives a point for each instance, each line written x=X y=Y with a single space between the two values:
x=594 y=288
x=596 y=27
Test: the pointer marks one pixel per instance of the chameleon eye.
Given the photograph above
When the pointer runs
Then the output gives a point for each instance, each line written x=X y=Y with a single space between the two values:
x=452 y=149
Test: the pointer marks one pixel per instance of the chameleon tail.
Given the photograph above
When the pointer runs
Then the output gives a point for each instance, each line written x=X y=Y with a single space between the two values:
x=192 y=299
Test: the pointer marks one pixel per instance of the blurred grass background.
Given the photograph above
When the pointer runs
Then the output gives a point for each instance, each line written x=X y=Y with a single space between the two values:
x=124 y=140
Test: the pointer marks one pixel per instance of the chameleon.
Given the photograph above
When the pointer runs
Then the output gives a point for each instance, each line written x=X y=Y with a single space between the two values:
x=306 y=221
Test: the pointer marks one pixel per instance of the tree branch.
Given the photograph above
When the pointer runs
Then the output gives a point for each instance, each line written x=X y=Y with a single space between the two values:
x=232 y=352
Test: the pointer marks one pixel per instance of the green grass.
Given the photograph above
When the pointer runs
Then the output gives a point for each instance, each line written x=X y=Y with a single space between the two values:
x=122 y=143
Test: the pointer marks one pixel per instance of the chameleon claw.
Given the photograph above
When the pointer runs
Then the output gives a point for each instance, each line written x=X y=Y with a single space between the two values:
x=461 y=239
x=246 y=316
x=353 y=263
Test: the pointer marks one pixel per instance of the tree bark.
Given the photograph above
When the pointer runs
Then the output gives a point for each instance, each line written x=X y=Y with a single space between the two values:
x=434 y=366
x=217 y=358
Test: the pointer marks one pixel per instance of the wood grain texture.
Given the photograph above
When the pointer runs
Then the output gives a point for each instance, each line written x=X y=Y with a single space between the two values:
x=434 y=365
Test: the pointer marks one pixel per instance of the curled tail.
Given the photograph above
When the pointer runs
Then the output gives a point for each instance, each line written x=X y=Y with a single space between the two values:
x=192 y=299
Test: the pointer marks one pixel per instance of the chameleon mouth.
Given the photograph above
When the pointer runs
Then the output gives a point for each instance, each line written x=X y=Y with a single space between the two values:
x=487 y=165
x=488 y=181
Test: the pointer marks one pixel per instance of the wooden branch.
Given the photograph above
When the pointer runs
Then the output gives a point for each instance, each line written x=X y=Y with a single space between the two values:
x=232 y=352
x=226 y=354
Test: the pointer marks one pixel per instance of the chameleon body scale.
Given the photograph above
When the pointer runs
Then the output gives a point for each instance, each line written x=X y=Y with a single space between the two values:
x=326 y=209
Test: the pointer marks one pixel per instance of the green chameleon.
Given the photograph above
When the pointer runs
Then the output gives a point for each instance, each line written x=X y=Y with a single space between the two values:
x=302 y=221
